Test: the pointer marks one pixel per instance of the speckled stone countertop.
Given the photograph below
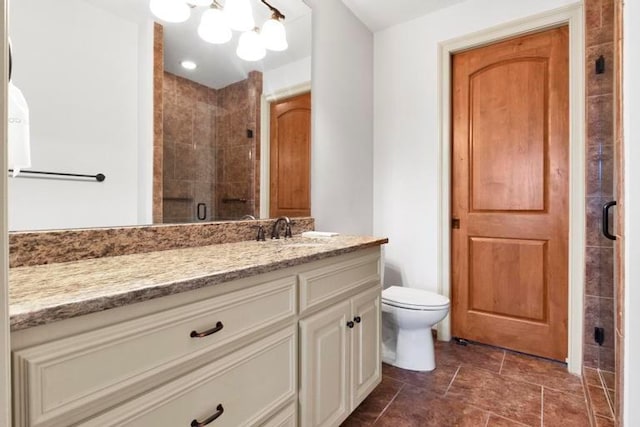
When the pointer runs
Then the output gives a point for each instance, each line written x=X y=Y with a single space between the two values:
x=43 y=294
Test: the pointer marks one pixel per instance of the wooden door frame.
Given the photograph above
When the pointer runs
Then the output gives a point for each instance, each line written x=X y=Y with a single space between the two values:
x=573 y=16
x=265 y=139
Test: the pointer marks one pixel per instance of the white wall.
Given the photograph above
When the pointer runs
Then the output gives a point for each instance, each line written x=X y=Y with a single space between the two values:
x=288 y=76
x=632 y=211
x=79 y=67
x=406 y=123
x=342 y=129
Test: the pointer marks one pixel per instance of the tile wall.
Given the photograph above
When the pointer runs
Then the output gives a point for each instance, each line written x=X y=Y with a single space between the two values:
x=189 y=121
x=599 y=286
x=237 y=190
x=210 y=149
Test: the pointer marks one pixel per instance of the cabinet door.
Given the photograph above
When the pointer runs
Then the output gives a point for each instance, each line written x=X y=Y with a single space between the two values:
x=324 y=367
x=366 y=365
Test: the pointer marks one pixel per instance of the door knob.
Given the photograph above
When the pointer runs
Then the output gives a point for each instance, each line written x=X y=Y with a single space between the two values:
x=357 y=319
x=350 y=324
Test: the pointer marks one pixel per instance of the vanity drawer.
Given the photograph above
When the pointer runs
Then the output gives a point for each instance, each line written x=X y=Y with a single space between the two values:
x=244 y=388
x=65 y=381
x=320 y=285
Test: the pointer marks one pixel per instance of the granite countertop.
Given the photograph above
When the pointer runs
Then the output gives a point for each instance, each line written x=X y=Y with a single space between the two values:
x=47 y=293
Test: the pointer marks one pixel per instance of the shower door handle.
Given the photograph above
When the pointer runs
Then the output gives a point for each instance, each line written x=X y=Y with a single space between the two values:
x=605 y=220
x=201 y=211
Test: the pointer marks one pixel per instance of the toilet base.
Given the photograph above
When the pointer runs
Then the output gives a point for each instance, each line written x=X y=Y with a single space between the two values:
x=414 y=350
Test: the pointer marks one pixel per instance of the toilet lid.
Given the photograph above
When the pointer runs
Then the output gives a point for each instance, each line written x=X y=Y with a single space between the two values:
x=413 y=298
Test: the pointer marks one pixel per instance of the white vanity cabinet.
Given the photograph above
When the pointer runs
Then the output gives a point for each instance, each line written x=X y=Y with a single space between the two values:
x=275 y=349
x=340 y=346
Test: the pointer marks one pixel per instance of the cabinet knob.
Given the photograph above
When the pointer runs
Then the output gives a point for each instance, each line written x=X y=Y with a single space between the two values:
x=357 y=319
x=350 y=324
x=196 y=334
x=212 y=418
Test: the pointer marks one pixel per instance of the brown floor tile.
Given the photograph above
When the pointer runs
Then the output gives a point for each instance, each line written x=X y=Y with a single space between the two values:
x=591 y=377
x=609 y=379
x=542 y=372
x=415 y=407
x=565 y=409
x=612 y=399
x=604 y=422
x=436 y=381
x=497 y=421
x=599 y=404
x=503 y=396
x=371 y=408
x=479 y=356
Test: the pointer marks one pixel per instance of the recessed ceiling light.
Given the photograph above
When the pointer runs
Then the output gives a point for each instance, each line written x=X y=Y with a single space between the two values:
x=189 y=65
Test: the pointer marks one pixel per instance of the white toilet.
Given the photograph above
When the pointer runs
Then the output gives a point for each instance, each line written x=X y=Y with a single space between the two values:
x=408 y=315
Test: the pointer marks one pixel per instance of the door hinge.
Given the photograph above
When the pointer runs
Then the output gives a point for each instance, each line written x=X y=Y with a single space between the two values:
x=455 y=222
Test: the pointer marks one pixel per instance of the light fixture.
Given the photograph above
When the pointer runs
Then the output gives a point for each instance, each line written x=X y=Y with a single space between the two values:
x=189 y=65
x=200 y=2
x=170 y=10
x=239 y=15
x=217 y=22
x=213 y=27
x=274 y=36
x=250 y=47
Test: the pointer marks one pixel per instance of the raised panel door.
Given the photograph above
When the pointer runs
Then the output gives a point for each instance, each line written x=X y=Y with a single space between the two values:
x=324 y=367
x=366 y=365
x=510 y=173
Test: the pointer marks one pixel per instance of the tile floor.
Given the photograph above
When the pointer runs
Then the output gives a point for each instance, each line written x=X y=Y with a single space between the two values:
x=476 y=385
x=600 y=391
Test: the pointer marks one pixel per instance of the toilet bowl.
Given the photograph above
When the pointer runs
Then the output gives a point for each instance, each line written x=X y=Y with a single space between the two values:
x=408 y=315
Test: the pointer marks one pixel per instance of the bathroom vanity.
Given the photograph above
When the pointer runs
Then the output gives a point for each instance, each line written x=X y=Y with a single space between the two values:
x=277 y=333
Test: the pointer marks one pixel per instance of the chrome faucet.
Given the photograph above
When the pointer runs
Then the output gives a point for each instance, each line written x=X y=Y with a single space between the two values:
x=287 y=230
x=248 y=217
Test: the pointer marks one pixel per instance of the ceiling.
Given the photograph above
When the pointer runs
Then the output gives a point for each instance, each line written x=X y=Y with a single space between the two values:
x=218 y=65
x=381 y=14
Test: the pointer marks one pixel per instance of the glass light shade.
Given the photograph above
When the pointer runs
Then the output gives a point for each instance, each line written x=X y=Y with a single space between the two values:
x=213 y=27
x=200 y=2
x=250 y=47
x=170 y=10
x=239 y=15
x=274 y=36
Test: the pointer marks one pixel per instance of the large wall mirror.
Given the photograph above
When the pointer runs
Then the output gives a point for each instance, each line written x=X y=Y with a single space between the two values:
x=183 y=130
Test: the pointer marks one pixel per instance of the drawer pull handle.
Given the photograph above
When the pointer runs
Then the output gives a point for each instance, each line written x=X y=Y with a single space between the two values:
x=357 y=319
x=195 y=334
x=212 y=418
x=350 y=324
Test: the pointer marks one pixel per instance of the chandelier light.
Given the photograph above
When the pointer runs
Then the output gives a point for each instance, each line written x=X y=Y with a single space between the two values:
x=239 y=15
x=274 y=36
x=217 y=22
x=213 y=27
x=250 y=46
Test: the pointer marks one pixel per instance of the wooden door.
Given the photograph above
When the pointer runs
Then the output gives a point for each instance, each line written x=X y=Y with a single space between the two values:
x=366 y=364
x=510 y=173
x=290 y=134
x=324 y=367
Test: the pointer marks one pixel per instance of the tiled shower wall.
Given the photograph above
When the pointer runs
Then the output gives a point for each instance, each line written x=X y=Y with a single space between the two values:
x=189 y=122
x=210 y=161
x=237 y=154
x=599 y=286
